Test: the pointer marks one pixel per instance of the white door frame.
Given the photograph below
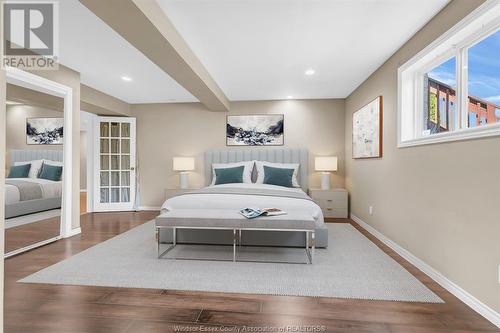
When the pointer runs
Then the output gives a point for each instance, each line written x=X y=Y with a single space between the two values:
x=87 y=125
x=97 y=206
x=38 y=83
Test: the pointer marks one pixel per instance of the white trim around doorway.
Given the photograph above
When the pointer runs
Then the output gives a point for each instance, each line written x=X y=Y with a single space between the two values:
x=40 y=84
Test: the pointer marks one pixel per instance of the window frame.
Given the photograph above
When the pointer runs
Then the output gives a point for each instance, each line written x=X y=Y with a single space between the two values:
x=455 y=43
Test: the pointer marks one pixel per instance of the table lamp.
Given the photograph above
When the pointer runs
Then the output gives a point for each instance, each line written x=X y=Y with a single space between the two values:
x=183 y=165
x=325 y=164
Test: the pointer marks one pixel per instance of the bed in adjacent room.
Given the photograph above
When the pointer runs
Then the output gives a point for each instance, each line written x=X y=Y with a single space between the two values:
x=254 y=189
x=34 y=183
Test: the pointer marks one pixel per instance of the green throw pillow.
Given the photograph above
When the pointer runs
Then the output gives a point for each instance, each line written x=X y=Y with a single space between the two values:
x=19 y=171
x=51 y=172
x=278 y=176
x=229 y=175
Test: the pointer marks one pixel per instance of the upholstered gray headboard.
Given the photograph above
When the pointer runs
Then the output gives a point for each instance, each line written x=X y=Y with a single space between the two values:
x=23 y=155
x=278 y=155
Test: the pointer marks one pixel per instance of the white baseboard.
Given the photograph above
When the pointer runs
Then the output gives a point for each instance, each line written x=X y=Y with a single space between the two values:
x=148 y=208
x=447 y=284
x=74 y=232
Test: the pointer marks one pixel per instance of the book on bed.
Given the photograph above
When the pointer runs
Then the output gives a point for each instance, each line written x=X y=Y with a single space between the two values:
x=251 y=213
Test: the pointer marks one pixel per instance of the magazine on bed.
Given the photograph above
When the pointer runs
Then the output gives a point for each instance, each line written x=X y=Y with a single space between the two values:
x=251 y=213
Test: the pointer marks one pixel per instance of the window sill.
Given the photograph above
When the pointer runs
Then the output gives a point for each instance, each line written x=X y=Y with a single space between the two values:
x=465 y=134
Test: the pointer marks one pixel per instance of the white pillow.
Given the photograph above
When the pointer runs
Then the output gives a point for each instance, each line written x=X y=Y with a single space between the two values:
x=247 y=170
x=54 y=163
x=260 y=171
x=36 y=165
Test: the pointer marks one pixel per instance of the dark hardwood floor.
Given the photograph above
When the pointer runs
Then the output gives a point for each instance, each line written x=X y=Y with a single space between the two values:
x=32 y=233
x=68 y=309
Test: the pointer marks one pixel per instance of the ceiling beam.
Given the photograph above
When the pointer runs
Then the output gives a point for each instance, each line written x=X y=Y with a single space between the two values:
x=27 y=96
x=95 y=101
x=144 y=24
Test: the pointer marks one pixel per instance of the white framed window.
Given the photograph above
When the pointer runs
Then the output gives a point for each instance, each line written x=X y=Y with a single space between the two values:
x=451 y=90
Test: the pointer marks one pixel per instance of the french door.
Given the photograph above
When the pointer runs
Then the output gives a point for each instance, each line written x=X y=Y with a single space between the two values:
x=114 y=165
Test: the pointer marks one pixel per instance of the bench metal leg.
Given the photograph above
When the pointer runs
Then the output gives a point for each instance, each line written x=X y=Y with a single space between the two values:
x=234 y=245
x=313 y=245
x=308 y=253
x=310 y=247
x=174 y=242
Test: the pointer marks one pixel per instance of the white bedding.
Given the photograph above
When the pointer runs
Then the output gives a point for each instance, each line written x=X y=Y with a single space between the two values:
x=50 y=189
x=237 y=202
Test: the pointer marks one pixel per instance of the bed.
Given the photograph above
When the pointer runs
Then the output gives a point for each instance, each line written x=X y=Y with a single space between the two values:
x=25 y=196
x=237 y=196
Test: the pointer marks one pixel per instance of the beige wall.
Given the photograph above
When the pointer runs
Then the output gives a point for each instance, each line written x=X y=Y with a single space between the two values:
x=16 y=127
x=439 y=201
x=188 y=129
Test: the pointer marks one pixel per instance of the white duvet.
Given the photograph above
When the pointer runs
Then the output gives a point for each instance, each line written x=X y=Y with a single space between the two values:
x=238 y=202
x=50 y=189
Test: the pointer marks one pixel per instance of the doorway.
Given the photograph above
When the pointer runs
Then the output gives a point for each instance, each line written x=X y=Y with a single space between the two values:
x=114 y=167
x=39 y=178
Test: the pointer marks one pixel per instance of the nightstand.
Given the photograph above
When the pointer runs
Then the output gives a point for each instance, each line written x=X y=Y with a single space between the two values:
x=173 y=192
x=333 y=202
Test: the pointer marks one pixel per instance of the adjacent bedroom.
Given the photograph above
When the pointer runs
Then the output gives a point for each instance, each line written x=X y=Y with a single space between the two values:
x=250 y=166
x=34 y=167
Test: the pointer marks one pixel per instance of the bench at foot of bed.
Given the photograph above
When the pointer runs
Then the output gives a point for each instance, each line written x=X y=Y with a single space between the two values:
x=249 y=237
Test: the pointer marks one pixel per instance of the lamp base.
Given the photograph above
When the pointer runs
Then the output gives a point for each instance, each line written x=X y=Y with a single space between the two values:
x=325 y=181
x=184 y=180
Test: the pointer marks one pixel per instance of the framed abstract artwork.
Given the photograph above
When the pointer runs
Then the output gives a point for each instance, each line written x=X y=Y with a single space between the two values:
x=367 y=130
x=44 y=131
x=255 y=130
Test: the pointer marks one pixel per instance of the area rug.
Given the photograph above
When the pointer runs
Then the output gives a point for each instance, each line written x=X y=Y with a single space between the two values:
x=351 y=267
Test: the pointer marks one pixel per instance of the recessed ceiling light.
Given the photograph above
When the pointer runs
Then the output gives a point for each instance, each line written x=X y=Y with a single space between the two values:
x=289 y=97
x=126 y=78
x=310 y=72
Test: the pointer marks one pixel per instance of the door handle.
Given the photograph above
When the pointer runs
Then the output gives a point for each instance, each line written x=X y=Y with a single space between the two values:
x=132 y=168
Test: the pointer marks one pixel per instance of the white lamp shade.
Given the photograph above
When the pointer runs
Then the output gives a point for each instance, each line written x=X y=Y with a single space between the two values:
x=325 y=163
x=183 y=163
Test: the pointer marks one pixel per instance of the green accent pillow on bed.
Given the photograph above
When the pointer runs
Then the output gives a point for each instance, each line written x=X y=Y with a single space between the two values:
x=229 y=175
x=278 y=176
x=19 y=171
x=51 y=172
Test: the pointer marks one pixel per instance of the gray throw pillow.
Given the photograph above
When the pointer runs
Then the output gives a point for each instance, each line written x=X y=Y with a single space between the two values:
x=51 y=172
x=278 y=176
x=229 y=175
x=19 y=171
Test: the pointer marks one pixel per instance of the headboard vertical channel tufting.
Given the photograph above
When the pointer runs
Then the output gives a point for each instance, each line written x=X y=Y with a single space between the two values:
x=276 y=155
x=24 y=155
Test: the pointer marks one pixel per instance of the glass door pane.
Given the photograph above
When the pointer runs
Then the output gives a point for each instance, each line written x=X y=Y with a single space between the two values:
x=115 y=177
x=104 y=161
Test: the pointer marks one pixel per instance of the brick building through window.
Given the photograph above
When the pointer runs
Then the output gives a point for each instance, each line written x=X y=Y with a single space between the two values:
x=442 y=114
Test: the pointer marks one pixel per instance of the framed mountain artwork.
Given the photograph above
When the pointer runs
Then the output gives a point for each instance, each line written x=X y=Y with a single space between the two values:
x=255 y=130
x=44 y=131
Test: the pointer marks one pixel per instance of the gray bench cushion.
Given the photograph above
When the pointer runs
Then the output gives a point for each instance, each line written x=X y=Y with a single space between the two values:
x=229 y=219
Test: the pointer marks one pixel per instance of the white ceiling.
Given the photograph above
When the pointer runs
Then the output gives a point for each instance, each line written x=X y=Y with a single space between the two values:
x=254 y=49
x=92 y=48
x=259 y=49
